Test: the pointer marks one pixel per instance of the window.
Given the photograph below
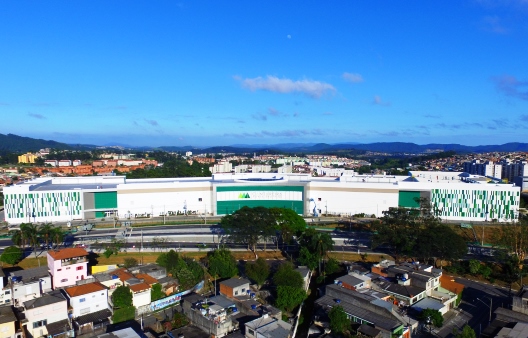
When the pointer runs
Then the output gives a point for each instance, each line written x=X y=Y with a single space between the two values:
x=79 y=268
x=199 y=199
x=93 y=296
x=64 y=280
x=68 y=268
x=243 y=290
x=319 y=199
x=82 y=300
x=236 y=293
x=40 y=323
x=7 y=292
x=102 y=293
x=251 y=332
x=59 y=269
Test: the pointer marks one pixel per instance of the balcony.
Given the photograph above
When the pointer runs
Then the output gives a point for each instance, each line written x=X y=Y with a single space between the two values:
x=71 y=261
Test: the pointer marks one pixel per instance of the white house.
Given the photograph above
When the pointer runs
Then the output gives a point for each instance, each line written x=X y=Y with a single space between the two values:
x=28 y=284
x=47 y=315
x=87 y=298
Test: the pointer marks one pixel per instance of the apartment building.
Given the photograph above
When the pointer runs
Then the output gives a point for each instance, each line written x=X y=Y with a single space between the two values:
x=67 y=266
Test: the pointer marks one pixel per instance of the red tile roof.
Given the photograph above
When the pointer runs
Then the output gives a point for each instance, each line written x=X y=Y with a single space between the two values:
x=123 y=274
x=147 y=278
x=84 y=289
x=139 y=287
x=67 y=253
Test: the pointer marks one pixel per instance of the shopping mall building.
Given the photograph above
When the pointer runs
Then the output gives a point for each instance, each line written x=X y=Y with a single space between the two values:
x=456 y=196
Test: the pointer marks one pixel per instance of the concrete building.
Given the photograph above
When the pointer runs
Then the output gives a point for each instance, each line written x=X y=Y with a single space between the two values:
x=87 y=298
x=47 y=315
x=268 y=327
x=234 y=287
x=455 y=195
x=67 y=266
x=8 y=320
x=29 y=284
x=27 y=158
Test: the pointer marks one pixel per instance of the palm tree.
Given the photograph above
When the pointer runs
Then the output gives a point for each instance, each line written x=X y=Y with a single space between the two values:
x=18 y=238
x=321 y=243
x=57 y=236
x=46 y=232
x=30 y=235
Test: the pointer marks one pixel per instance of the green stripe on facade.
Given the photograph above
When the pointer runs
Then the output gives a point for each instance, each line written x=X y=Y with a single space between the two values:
x=105 y=200
x=260 y=188
x=409 y=199
x=228 y=207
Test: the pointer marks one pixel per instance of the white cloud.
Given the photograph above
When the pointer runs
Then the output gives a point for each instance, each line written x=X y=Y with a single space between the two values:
x=378 y=101
x=352 y=77
x=311 y=88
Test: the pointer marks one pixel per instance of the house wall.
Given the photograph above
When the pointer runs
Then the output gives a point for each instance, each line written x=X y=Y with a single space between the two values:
x=226 y=290
x=7 y=329
x=240 y=290
x=89 y=303
x=66 y=275
x=141 y=298
x=51 y=313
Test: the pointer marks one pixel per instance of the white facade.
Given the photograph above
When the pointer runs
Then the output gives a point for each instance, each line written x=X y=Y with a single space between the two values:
x=345 y=195
x=89 y=302
x=48 y=309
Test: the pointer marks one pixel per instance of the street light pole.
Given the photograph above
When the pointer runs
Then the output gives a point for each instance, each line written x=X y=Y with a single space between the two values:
x=489 y=306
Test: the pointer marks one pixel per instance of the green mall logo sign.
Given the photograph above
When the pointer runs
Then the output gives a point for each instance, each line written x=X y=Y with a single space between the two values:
x=243 y=195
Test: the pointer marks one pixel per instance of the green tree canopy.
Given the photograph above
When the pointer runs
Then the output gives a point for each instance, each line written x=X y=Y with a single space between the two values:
x=289 y=223
x=288 y=297
x=339 y=322
x=122 y=297
x=287 y=276
x=308 y=258
x=249 y=226
x=156 y=292
x=222 y=263
x=12 y=255
x=467 y=332
x=317 y=242
x=169 y=260
x=433 y=315
x=258 y=271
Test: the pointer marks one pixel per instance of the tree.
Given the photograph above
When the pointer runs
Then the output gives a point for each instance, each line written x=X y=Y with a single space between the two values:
x=287 y=276
x=288 y=223
x=57 y=236
x=317 y=242
x=156 y=292
x=474 y=266
x=433 y=315
x=130 y=262
x=288 y=297
x=332 y=266
x=249 y=226
x=122 y=297
x=46 y=232
x=179 y=320
x=169 y=260
x=467 y=332
x=222 y=263
x=12 y=255
x=258 y=271
x=398 y=229
x=308 y=258
x=513 y=238
x=339 y=322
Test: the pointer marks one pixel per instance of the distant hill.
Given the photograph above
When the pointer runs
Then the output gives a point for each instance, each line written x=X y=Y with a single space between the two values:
x=15 y=143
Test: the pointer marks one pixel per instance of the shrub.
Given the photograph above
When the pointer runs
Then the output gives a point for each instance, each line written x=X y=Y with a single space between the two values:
x=124 y=314
x=130 y=262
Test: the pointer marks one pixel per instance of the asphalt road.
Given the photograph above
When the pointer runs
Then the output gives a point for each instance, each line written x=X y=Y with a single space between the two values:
x=474 y=310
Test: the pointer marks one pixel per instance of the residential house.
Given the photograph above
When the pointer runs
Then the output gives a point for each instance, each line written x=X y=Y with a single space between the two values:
x=153 y=270
x=108 y=279
x=368 y=307
x=29 y=284
x=234 y=287
x=87 y=298
x=351 y=282
x=88 y=306
x=47 y=315
x=67 y=266
x=218 y=318
x=268 y=327
x=305 y=274
x=140 y=290
x=8 y=321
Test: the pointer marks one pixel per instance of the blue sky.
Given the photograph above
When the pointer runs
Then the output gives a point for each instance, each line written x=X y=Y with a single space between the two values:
x=204 y=73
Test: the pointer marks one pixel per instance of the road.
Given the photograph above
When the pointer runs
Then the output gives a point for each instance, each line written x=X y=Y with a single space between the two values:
x=474 y=308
